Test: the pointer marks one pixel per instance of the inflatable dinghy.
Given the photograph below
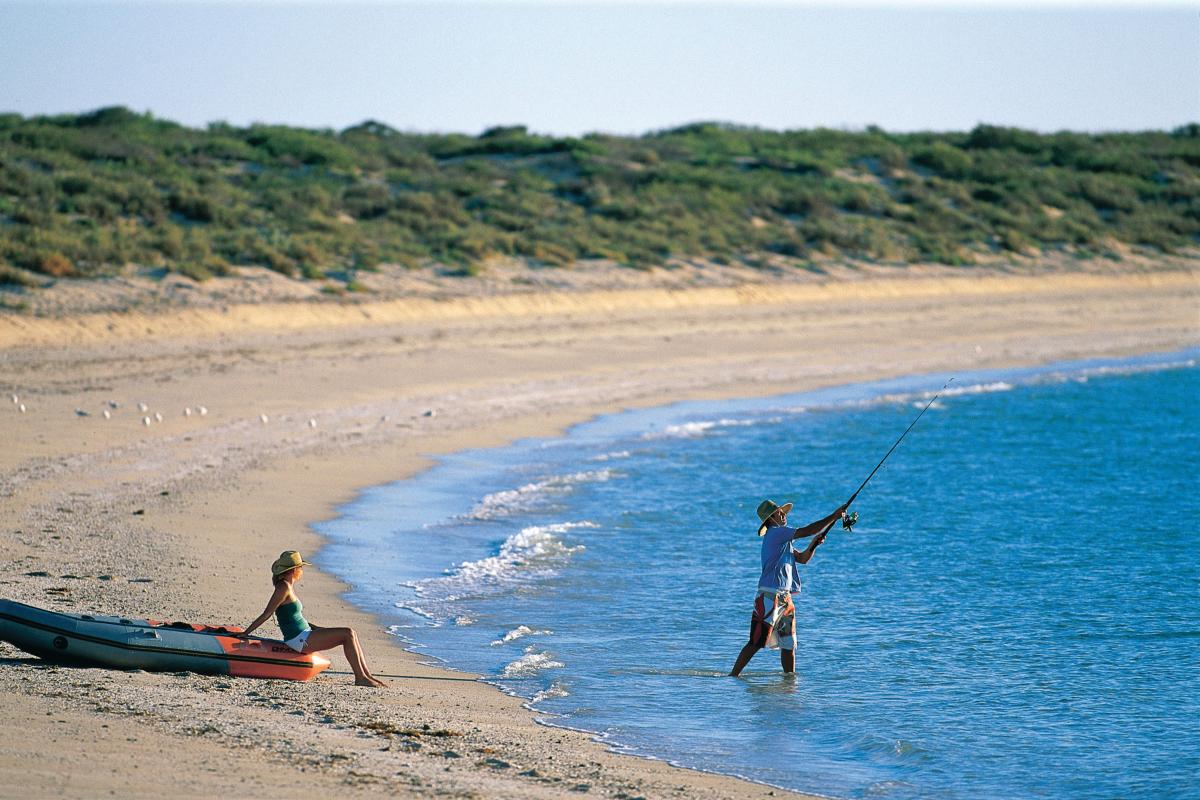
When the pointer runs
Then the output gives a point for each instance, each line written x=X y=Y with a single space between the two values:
x=101 y=641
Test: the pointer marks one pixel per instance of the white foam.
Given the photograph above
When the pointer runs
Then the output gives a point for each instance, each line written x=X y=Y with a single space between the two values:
x=612 y=456
x=1082 y=375
x=520 y=632
x=463 y=619
x=556 y=689
x=533 y=552
x=420 y=612
x=691 y=430
x=524 y=498
x=973 y=388
x=919 y=399
x=530 y=664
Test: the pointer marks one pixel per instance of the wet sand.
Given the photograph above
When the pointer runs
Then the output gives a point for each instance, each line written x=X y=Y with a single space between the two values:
x=179 y=519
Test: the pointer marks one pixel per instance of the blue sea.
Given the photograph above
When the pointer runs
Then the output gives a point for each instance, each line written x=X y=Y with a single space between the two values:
x=1016 y=615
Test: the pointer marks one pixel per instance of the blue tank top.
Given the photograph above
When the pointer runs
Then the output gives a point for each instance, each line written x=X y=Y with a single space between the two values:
x=291 y=619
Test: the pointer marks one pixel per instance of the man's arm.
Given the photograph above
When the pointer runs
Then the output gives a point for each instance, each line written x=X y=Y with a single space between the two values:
x=822 y=525
x=803 y=556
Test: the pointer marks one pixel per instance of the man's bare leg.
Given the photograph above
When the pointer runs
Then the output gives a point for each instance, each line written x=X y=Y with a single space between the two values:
x=743 y=659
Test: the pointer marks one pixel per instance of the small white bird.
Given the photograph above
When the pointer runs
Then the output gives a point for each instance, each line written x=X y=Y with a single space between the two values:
x=157 y=417
x=203 y=411
x=15 y=399
x=142 y=407
x=113 y=404
x=312 y=423
x=79 y=412
x=187 y=412
x=264 y=419
x=21 y=408
x=107 y=414
x=146 y=421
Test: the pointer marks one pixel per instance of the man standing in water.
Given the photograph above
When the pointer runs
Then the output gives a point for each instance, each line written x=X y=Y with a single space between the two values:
x=773 y=623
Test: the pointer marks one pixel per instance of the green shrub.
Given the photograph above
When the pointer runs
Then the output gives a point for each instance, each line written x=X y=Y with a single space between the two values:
x=944 y=159
x=104 y=189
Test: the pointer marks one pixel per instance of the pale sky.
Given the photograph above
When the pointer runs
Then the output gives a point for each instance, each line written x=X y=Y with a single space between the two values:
x=572 y=68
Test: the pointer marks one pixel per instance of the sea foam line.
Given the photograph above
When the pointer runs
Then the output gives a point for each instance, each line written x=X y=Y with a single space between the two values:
x=520 y=632
x=530 y=664
x=691 y=430
x=524 y=498
x=530 y=553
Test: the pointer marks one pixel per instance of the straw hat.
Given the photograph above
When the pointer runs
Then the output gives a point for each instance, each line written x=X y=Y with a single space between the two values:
x=287 y=561
x=765 y=509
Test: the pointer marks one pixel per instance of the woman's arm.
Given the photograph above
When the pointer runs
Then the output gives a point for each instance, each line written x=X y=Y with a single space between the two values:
x=822 y=525
x=282 y=589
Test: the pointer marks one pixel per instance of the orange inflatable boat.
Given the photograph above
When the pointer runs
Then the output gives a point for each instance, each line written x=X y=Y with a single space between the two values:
x=95 y=640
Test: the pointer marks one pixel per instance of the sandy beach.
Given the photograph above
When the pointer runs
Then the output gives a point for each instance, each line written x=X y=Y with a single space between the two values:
x=275 y=413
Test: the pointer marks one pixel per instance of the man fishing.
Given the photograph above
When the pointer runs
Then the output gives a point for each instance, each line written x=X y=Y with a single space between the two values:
x=773 y=623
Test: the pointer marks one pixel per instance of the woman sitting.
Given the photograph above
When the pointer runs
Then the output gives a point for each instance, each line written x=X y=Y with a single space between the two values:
x=298 y=634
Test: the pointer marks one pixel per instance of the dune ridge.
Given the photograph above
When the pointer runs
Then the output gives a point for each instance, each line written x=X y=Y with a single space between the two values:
x=18 y=331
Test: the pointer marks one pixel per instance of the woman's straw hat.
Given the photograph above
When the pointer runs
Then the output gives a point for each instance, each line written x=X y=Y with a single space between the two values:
x=765 y=509
x=288 y=560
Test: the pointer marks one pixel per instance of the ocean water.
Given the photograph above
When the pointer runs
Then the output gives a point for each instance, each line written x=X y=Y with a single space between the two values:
x=1017 y=614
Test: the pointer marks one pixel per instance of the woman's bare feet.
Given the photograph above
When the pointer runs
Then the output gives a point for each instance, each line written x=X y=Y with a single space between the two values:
x=370 y=680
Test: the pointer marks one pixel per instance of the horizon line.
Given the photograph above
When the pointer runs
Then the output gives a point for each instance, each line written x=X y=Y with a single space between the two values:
x=720 y=123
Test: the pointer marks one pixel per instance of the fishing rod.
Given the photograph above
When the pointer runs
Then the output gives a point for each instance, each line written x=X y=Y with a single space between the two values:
x=849 y=520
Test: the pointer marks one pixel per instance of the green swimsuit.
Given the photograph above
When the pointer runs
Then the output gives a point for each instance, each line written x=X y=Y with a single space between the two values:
x=291 y=620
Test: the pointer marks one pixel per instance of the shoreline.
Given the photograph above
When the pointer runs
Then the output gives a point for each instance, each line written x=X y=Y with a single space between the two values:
x=490 y=381
x=680 y=412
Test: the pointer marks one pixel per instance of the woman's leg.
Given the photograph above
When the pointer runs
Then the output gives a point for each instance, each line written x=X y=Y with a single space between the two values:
x=327 y=638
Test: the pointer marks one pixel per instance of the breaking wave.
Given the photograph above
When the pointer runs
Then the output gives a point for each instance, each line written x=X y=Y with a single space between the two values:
x=530 y=664
x=529 y=554
x=529 y=496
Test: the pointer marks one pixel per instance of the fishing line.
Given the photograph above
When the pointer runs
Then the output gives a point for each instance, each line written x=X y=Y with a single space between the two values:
x=848 y=520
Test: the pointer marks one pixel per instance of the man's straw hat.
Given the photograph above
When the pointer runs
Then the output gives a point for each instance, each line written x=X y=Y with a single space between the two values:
x=288 y=560
x=765 y=509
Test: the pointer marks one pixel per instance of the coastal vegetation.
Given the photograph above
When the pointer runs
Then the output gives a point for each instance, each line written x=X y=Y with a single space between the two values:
x=86 y=195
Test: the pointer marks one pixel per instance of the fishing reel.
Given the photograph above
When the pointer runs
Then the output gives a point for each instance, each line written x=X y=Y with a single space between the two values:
x=849 y=520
